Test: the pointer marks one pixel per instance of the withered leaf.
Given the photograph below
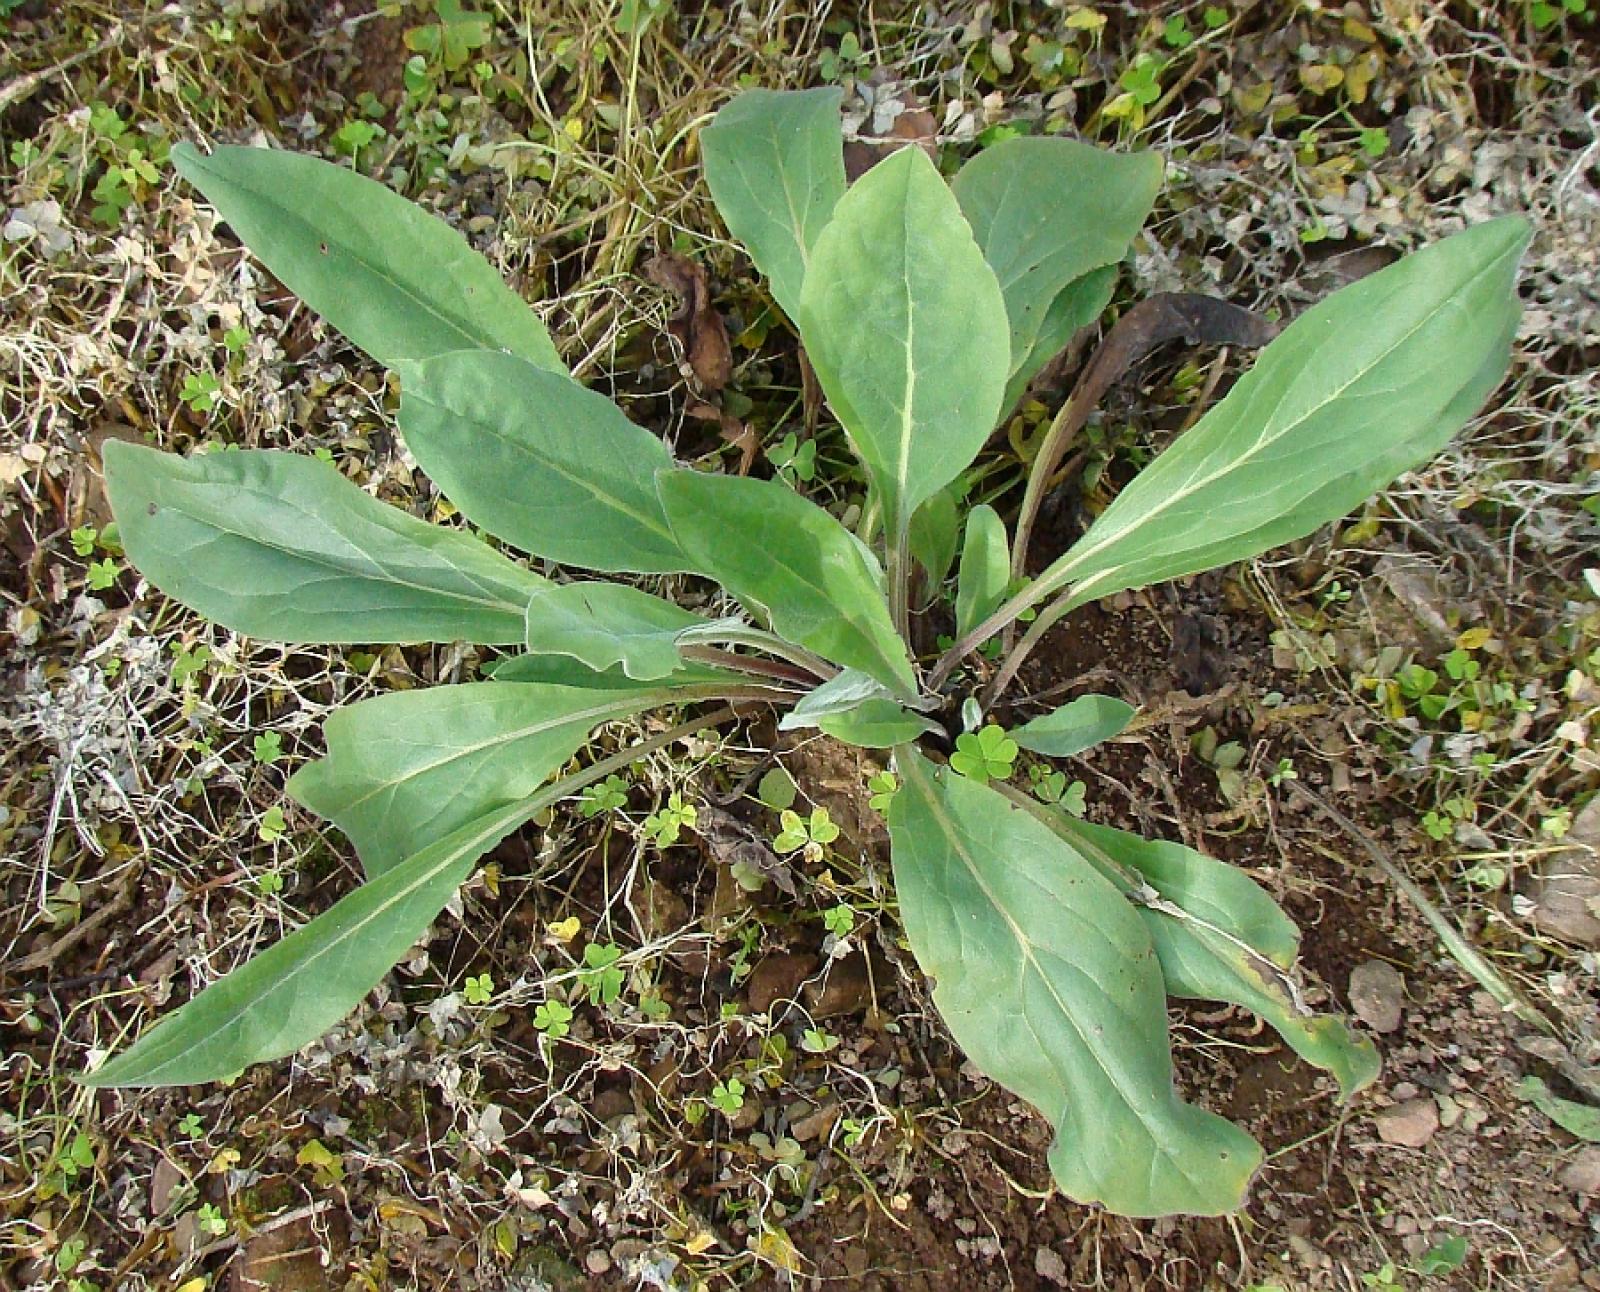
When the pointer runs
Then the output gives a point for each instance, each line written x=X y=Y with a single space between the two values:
x=697 y=326
x=731 y=842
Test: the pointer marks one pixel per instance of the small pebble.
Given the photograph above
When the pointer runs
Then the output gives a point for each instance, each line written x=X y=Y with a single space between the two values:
x=1582 y=1174
x=1377 y=995
x=1411 y=1124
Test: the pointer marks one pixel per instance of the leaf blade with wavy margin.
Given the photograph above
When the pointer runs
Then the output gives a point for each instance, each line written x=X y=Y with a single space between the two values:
x=400 y=283
x=1220 y=936
x=775 y=167
x=302 y=985
x=282 y=547
x=1049 y=982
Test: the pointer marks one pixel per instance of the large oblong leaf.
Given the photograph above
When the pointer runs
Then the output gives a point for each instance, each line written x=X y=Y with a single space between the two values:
x=400 y=283
x=603 y=624
x=567 y=670
x=785 y=556
x=1363 y=386
x=1046 y=212
x=299 y=987
x=906 y=328
x=1220 y=936
x=1049 y=981
x=407 y=768
x=283 y=547
x=1076 y=306
x=539 y=461
x=775 y=165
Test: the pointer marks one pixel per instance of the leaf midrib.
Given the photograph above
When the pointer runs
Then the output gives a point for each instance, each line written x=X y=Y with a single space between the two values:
x=1064 y=575
x=290 y=215
x=618 y=707
x=914 y=772
x=504 y=820
x=555 y=466
x=385 y=574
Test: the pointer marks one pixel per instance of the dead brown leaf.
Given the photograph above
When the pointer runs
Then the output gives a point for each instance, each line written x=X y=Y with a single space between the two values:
x=698 y=327
x=731 y=841
x=740 y=434
x=915 y=125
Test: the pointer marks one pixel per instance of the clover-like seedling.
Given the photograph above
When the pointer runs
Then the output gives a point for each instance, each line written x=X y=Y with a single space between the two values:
x=553 y=1018
x=601 y=977
x=810 y=833
x=985 y=755
x=925 y=308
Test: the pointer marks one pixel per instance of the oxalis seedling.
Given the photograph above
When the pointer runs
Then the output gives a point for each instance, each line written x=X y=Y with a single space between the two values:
x=925 y=308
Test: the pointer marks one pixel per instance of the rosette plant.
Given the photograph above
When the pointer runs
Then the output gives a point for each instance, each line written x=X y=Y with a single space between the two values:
x=925 y=308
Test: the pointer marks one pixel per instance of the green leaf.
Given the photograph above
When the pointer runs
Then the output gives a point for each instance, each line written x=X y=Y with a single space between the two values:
x=1077 y=725
x=877 y=724
x=838 y=694
x=1220 y=936
x=284 y=548
x=566 y=670
x=933 y=533
x=1049 y=982
x=1046 y=212
x=906 y=328
x=298 y=988
x=400 y=283
x=1363 y=386
x=775 y=165
x=985 y=755
x=858 y=710
x=1449 y=1253
x=407 y=768
x=1075 y=307
x=788 y=559
x=1577 y=1119
x=539 y=461
x=603 y=624
x=985 y=568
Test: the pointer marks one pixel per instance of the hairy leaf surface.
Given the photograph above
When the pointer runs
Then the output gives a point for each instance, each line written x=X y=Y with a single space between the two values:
x=299 y=987
x=565 y=670
x=1077 y=725
x=1046 y=212
x=775 y=166
x=1077 y=306
x=788 y=559
x=284 y=548
x=400 y=283
x=1049 y=981
x=985 y=568
x=539 y=461
x=1220 y=936
x=1363 y=386
x=407 y=768
x=610 y=623
x=906 y=328
x=858 y=710
x=877 y=724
